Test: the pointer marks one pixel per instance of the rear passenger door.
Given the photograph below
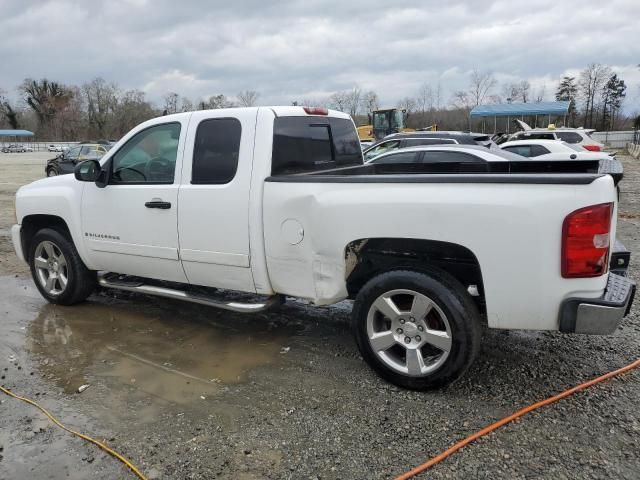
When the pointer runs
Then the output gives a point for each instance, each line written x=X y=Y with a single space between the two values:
x=213 y=201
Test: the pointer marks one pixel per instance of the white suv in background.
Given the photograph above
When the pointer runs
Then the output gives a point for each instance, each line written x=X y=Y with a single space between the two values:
x=574 y=136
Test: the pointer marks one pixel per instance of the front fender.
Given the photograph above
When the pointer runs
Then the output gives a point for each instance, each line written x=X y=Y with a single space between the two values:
x=61 y=197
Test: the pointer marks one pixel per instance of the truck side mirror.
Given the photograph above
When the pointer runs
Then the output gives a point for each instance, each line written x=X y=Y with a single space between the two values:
x=87 y=171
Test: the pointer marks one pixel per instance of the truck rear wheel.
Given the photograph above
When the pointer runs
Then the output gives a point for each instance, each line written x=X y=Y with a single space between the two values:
x=416 y=330
x=58 y=270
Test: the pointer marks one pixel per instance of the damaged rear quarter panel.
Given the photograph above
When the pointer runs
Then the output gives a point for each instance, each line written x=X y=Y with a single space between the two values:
x=496 y=222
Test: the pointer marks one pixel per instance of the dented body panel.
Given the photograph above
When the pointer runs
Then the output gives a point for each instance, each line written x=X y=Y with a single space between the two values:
x=514 y=230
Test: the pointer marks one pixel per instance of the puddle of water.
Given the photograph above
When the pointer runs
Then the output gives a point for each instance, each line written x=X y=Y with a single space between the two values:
x=165 y=355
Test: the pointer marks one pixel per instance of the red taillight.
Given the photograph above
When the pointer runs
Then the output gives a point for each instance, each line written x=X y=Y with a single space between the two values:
x=592 y=148
x=585 y=241
x=316 y=110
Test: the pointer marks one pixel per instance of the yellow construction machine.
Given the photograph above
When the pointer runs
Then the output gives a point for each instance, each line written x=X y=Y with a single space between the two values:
x=385 y=122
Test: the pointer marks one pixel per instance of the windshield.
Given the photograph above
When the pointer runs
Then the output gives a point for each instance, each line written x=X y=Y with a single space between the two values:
x=397 y=120
x=393 y=119
x=380 y=120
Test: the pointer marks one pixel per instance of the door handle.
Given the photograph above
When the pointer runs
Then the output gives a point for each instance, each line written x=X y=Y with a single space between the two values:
x=158 y=204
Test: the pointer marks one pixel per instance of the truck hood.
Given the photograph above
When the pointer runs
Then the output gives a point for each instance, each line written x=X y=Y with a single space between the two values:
x=47 y=182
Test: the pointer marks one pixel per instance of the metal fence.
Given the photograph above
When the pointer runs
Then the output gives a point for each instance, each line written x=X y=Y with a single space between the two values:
x=37 y=146
x=617 y=139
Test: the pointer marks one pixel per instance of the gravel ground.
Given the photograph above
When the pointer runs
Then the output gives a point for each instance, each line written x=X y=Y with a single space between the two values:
x=190 y=392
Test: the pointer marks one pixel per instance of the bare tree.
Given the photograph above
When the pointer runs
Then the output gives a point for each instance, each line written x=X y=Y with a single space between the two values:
x=7 y=111
x=424 y=102
x=524 y=89
x=592 y=80
x=45 y=98
x=481 y=84
x=407 y=103
x=541 y=93
x=101 y=98
x=186 y=105
x=339 y=101
x=517 y=91
x=370 y=101
x=171 y=103
x=218 y=101
x=131 y=109
x=248 y=98
x=353 y=100
x=462 y=100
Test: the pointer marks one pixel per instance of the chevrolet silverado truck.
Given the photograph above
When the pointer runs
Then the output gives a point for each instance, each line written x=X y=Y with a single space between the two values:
x=276 y=202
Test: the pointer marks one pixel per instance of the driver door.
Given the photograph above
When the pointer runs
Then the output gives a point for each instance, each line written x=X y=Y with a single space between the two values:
x=130 y=226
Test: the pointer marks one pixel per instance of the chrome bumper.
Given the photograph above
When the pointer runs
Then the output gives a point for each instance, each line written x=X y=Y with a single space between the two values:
x=16 y=239
x=599 y=316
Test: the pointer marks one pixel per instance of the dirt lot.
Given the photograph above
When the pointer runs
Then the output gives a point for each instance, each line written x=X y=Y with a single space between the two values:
x=190 y=392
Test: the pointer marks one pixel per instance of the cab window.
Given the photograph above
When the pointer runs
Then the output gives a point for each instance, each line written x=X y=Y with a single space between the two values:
x=382 y=148
x=72 y=154
x=400 y=157
x=148 y=157
x=216 y=151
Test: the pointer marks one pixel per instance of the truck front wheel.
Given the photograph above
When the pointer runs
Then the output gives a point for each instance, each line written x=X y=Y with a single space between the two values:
x=416 y=330
x=58 y=270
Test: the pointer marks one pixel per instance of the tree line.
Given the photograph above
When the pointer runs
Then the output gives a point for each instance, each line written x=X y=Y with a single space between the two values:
x=95 y=110
x=102 y=110
x=595 y=100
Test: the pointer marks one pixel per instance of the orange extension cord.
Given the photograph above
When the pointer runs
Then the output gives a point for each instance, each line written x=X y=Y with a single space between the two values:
x=494 y=426
x=87 y=438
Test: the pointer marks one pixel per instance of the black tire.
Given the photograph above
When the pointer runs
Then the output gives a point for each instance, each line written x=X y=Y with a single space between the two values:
x=452 y=299
x=81 y=282
x=52 y=172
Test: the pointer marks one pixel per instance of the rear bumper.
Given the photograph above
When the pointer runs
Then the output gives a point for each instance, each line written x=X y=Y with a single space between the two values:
x=16 y=239
x=599 y=316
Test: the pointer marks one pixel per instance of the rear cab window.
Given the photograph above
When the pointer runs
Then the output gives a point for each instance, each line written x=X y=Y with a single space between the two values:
x=305 y=144
x=216 y=151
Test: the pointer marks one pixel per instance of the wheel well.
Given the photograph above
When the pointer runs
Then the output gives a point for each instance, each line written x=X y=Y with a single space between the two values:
x=31 y=224
x=366 y=258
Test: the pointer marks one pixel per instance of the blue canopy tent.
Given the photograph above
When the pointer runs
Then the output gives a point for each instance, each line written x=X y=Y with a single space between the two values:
x=521 y=110
x=15 y=133
x=12 y=136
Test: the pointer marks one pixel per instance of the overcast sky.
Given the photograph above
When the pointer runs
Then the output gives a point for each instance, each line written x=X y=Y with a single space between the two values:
x=293 y=50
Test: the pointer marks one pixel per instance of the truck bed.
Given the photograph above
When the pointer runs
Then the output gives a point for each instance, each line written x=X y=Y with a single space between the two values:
x=578 y=172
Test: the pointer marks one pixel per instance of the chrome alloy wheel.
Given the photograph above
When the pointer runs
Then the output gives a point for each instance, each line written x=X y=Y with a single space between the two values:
x=409 y=332
x=51 y=267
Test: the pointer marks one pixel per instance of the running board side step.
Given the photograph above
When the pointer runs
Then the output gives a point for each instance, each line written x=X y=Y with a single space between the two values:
x=140 y=287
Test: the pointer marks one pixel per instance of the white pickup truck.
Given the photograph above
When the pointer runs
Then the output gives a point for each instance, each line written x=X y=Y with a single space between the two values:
x=276 y=201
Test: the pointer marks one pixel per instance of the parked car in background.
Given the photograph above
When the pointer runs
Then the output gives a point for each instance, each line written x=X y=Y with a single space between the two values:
x=13 y=148
x=554 y=150
x=404 y=140
x=550 y=149
x=474 y=158
x=28 y=148
x=54 y=148
x=573 y=136
x=483 y=139
x=66 y=161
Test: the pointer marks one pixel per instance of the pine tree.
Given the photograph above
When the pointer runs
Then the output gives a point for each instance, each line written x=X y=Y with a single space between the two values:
x=567 y=91
x=613 y=94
